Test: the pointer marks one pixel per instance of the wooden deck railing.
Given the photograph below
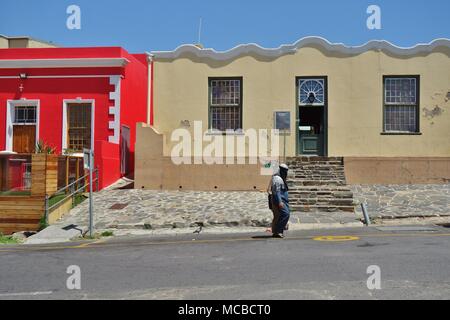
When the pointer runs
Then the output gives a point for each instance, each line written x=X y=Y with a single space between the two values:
x=27 y=212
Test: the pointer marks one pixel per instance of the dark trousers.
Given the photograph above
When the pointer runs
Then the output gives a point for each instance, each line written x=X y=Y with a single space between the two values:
x=280 y=219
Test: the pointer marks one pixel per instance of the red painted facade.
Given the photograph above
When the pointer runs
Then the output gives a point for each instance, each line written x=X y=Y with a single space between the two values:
x=57 y=76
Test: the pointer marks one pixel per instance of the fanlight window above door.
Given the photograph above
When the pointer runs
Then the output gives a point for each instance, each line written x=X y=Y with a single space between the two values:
x=311 y=92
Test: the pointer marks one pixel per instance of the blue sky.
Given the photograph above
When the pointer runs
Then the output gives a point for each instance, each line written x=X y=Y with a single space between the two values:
x=147 y=25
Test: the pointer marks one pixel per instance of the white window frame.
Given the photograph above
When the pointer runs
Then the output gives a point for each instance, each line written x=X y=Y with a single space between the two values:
x=395 y=103
x=240 y=106
x=323 y=83
x=66 y=102
x=226 y=104
x=10 y=114
x=416 y=104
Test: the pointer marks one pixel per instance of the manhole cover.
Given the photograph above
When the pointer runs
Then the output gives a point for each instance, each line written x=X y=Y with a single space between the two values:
x=410 y=229
x=336 y=238
x=119 y=206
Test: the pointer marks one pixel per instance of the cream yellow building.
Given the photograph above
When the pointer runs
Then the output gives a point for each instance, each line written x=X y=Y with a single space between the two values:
x=385 y=109
x=23 y=42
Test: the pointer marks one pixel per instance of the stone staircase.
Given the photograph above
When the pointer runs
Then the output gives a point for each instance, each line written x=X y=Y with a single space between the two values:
x=317 y=184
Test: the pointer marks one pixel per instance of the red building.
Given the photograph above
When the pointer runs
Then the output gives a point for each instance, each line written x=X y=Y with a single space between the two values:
x=75 y=98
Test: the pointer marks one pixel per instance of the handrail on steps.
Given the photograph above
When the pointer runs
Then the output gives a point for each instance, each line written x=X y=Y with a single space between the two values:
x=76 y=191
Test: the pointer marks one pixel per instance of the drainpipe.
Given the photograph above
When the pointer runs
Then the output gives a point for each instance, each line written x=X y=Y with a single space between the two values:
x=150 y=88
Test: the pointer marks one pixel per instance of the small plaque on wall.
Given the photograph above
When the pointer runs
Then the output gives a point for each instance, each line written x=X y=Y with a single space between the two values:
x=283 y=120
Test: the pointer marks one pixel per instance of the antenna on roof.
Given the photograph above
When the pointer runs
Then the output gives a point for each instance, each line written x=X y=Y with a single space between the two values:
x=199 y=43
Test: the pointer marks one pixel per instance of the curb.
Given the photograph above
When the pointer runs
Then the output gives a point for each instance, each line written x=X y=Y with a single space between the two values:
x=124 y=229
x=56 y=234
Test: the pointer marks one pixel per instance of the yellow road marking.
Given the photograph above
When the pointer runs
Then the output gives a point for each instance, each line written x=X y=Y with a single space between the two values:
x=84 y=245
x=87 y=244
x=31 y=249
x=336 y=238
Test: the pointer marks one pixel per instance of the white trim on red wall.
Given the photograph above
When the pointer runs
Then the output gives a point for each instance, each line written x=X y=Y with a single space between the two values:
x=10 y=105
x=114 y=110
x=58 y=77
x=63 y=63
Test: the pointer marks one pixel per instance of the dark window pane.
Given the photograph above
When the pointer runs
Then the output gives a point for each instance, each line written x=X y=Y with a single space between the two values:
x=79 y=127
x=400 y=91
x=225 y=104
x=226 y=118
x=225 y=92
x=31 y=115
x=25 y=114
x=400 y=118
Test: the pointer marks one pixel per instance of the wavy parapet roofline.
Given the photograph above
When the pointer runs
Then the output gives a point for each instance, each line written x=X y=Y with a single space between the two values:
x=255 y=49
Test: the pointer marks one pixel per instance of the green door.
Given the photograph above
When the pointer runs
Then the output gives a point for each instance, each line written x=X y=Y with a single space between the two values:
x=311 y=144
x=312 y=116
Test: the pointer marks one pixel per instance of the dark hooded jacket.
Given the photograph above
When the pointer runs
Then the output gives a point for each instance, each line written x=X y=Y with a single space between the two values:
x=279 y=189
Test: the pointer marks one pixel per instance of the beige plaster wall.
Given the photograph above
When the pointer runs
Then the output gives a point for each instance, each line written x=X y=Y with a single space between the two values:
x=355 y=94
x=158 y=172
x=39 y=44
x=4 y=43
x=18 y=43
x=397 y=170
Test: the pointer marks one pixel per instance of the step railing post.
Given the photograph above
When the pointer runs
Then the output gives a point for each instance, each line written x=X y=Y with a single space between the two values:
x=46 y=213
x=366 y=214
x=96 y=180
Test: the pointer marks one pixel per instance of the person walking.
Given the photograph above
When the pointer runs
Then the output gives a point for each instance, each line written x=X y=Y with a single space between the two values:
x=280 y=201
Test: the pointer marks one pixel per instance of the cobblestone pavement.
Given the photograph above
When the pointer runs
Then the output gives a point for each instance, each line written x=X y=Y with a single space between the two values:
x=146 y=209
x=404 y=201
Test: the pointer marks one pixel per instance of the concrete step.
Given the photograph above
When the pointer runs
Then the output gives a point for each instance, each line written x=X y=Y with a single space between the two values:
x=324 y=202
x=321 y=208
x=318 y=189
x=300 y=180
x=315 y=177
x=314 y=195
x=315 y=172
x=317 y=166
x=319 y=183
x=315 y=159
x=318 y=174
x=321 y=194
x=316 y=163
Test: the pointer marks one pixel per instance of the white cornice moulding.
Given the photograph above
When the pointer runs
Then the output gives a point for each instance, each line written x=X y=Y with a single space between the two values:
x=150 y=57
x=252 y=48
x=63 y=63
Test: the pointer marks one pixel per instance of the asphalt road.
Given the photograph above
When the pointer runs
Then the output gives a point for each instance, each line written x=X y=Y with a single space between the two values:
x=414 y=264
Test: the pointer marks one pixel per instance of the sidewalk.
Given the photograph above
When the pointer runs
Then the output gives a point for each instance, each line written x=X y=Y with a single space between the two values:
x=398 y=202
x=153 y=210
x=130 y=211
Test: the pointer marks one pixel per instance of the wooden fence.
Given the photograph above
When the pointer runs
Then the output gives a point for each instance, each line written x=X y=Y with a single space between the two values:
x=69 y=169
x=23 y=213
x=20 y=213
